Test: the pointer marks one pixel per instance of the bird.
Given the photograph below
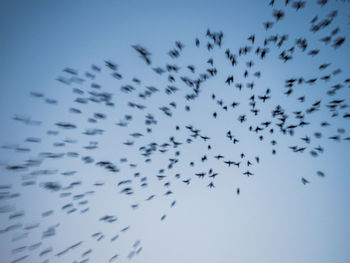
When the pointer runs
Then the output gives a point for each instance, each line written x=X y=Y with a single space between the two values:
x=203 y=115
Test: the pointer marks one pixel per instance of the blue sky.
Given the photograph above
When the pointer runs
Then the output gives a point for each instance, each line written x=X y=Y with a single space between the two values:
x=274 y=219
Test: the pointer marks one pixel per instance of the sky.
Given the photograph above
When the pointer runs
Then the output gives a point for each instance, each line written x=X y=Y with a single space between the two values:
x=275 y=218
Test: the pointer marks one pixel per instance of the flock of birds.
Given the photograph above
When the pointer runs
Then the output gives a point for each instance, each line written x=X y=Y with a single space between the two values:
x=191 y=82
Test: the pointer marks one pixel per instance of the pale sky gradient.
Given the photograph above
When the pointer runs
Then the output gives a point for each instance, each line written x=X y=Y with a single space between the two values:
x=275 y=218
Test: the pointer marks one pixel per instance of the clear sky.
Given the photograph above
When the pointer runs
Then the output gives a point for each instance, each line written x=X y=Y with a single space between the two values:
x=275 y=218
